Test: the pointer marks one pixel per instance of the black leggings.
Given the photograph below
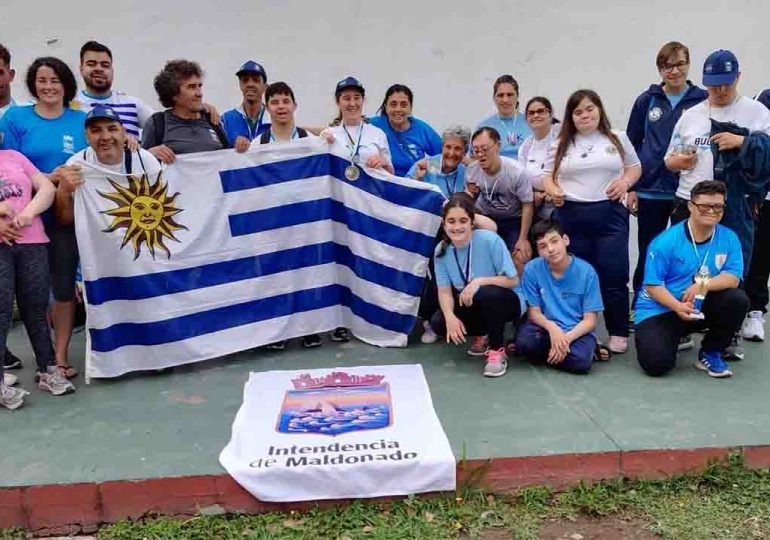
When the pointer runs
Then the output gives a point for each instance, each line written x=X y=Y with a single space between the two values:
x=657 y=338
x=492 y=307
x=24 y=270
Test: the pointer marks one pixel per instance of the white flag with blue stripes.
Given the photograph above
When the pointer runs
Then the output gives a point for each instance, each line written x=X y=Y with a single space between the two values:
x=225 y=252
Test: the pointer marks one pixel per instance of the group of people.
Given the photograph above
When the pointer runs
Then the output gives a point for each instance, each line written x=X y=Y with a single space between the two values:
x=535 y=229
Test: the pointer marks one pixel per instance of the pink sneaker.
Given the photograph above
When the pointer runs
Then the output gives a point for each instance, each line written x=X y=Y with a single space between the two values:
x=478 y=346
x=497 y=363
x=618 y=344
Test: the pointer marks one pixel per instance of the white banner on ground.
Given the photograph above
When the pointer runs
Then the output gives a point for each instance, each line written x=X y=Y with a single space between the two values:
x=226 y=251
x=338 y=433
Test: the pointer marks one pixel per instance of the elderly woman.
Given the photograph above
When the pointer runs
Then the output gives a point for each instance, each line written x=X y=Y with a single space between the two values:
x=445 y=170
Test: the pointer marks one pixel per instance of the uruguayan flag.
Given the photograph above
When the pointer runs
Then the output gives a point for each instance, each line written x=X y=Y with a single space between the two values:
x=229 y=251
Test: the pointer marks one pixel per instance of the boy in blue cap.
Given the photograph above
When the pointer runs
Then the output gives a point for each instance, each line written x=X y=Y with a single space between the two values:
x=250 y=119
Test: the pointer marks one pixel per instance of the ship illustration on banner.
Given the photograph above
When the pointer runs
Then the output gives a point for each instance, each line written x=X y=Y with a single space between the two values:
x=336 y=403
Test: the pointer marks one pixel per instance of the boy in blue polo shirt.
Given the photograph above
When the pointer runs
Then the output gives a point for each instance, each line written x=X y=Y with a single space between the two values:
x=693 y=258
x=564 y=301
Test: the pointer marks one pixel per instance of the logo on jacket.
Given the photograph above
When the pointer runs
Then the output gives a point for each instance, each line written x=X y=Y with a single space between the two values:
x=336 y=403
x=655 y=114
x=719 y=260
x=146 y=211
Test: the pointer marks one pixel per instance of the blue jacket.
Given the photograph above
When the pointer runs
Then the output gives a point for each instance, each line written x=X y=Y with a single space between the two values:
x=235 y=124
x=650 y=127
x=746 y=172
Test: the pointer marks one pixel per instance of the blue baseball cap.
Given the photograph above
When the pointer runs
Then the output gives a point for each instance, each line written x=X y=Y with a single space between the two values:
x=250 y=66
x=100 y=112
x=721 y=67
x=346 y=83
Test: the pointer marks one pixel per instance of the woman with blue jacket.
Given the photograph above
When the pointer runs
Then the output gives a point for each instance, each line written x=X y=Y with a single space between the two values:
x=653 y=117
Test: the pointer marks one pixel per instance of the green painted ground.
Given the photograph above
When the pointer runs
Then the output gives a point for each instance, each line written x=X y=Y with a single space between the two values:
x=176 y=424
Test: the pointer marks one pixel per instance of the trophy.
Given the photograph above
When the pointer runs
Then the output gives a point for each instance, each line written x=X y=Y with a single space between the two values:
x=701 y=280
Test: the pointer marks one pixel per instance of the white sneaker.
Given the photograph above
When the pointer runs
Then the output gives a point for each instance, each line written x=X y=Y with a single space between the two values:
x=54 y=382
x=9 y=379
x=11 y=398
x=428 y=335
x=753 y=327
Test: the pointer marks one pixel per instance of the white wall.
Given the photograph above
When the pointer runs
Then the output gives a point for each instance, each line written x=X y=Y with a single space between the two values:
x=449 y=52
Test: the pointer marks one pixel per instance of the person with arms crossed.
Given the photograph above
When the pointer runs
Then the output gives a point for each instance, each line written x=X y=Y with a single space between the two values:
x=563 y=305
x=725 y=124
x=503 y=193
x=476 y=279
x=508 y=122
x=690 y=281
x=410 y=139
x=48 y=133
x=589 y=169
x=24 y=271
x=650 y=125
x=250 y=119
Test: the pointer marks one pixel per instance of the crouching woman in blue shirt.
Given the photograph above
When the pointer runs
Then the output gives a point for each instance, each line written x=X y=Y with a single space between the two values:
x=564 y=299
x=691 y=259
x=475 y=278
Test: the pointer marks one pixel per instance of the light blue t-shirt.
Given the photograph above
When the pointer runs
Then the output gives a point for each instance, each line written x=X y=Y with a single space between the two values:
x=407 y=147
x=674 y=99
x=448 y=183
x=563 y=300
x=671 y=262
x=488 y=258
x=46 y=142
x=513 y=130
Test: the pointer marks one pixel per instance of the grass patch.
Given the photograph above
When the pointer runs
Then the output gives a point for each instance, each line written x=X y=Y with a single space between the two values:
x=727 y=501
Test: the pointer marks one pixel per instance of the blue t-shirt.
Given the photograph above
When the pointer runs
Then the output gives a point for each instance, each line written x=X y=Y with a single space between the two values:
x=448 y=183
x=513 y=130
x=407 y=147
x=488 y=258
x=563 y=300
x=671 y=262
x=46 y=142
x=674 y=99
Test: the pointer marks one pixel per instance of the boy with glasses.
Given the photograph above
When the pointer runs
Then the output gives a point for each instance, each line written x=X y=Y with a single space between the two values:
x=691 y=280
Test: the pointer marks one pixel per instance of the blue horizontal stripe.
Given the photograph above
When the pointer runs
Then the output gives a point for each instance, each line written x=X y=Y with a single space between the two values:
x=323 y=209
x=215 y=320
x=270 y=174
x=175 y=281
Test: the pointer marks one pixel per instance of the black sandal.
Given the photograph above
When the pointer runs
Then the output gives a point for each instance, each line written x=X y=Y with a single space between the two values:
x=602 y=353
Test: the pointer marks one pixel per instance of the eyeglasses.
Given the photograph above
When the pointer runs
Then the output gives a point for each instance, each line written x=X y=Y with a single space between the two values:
x=535 y=112
x=705 y=209
x=481 y=150
x=679 y=66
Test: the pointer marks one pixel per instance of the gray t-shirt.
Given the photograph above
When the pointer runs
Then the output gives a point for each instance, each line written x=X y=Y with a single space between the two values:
x=501 y=194
x=182 y=136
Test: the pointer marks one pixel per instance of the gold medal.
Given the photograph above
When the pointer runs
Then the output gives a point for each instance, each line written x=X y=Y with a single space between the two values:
x=352 y=173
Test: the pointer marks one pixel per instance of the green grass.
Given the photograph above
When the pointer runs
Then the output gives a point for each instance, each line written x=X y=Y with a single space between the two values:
x=726 y=501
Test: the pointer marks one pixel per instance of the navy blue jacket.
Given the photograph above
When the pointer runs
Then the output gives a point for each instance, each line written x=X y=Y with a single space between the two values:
x=650 y=127
x=764 y=97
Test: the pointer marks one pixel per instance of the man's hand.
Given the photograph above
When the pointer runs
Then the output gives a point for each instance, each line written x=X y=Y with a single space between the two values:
x=212 y=112
x=163 y=153
x=689 y=295
x=728 y=141
x=559 y=345
x=524 y=248
x=455 y=330
x=241 y=144
x=132 y=143
x=684 y=310
x=682 y=162
x=70 y=178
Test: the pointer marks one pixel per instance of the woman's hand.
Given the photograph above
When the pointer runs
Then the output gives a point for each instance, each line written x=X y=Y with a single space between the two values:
x=327 y=135
x=556 y=194
x=421 y=169
x=467 y=294
x=23 y=219
x=455 y=330
x=617 y=189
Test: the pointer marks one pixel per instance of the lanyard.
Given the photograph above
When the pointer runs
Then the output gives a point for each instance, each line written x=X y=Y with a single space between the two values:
x=445 y=177
x=354 y=149
x=467 y=274
x=293 y=136
x=703 y=267
x=511 y=136
x=255 y=130
x=487 y=193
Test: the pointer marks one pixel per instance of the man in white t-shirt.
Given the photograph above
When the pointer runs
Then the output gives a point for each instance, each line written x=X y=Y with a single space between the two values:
x=691 y=154
x=97 y=72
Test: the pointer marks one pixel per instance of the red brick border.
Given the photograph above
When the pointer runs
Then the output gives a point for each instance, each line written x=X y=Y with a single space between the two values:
x=73 y=508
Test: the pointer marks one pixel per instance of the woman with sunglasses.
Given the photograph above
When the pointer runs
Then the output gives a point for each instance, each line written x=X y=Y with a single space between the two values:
x=410 y=139
x=534 y=150
x=587 y=173
x=509 y=122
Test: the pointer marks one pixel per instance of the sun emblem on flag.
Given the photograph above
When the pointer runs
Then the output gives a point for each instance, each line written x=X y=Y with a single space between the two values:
x=146 y=211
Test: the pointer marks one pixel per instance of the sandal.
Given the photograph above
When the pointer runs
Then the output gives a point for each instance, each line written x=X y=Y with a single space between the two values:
x=602 y=353
x=68 y=371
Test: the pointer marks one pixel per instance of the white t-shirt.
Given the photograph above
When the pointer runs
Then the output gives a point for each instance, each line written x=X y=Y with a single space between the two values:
x=533 y=154
x=133 y=112
x=148 y=163
x=500 y=195
x=373 y=142
x=694 y=129
x=590 y=164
